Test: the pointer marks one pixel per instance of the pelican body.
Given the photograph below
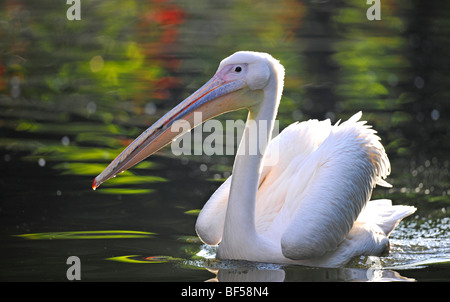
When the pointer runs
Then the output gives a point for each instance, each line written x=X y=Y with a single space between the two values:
x=312 y=207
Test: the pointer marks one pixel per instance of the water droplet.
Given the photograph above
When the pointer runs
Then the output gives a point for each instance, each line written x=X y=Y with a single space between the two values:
x=150 y=108
x=41 y=162
x=91 y=107
x=96 y=63
x=435 y=114
x=65 y=140
x=297 y=115
x=419 y=82
x=15 y=86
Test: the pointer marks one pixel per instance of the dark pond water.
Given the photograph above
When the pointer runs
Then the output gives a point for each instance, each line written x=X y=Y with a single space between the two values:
x=74 y=93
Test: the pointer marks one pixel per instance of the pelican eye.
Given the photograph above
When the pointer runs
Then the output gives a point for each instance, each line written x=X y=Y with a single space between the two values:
x=238 y=69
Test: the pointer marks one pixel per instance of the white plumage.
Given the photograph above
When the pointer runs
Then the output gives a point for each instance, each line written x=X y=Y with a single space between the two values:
x=312 y=207
x=312 y=198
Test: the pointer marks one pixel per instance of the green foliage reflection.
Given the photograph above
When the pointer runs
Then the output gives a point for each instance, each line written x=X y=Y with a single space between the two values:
x=107 y=234
x=76 y=93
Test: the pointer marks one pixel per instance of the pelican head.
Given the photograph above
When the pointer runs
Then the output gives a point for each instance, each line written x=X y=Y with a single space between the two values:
x=239 y=82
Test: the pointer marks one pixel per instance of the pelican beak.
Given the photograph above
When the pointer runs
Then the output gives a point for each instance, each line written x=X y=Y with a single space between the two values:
x=217 y=96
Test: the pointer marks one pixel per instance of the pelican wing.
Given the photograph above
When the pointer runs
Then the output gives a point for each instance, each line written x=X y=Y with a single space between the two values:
x=291 y=150
x=329 y=189
x=211 y=220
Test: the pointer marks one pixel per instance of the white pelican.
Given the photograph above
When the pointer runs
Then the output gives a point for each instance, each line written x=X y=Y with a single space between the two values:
x=312 y=207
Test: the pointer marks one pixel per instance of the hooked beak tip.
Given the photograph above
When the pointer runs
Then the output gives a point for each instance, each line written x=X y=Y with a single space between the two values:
x=95 y=185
